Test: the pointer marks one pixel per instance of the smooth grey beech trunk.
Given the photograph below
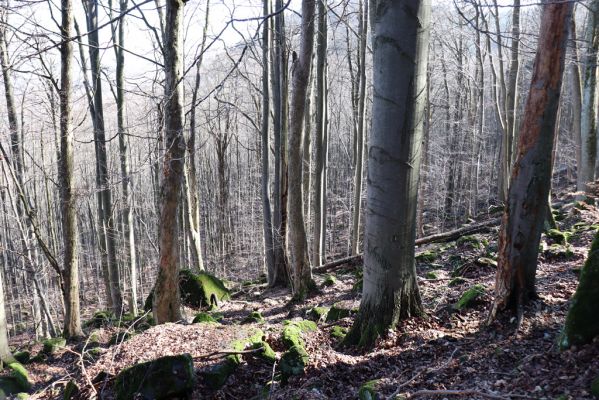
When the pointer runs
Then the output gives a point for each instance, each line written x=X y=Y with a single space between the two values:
x=167 y=304
x=297 y=245
x=400 y=56
x=70 y=271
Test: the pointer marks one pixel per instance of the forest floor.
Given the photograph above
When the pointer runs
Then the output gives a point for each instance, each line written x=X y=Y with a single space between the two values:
x=449 y=349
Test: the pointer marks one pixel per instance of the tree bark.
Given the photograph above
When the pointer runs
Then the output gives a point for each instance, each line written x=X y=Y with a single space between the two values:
x=70 y=272
x=300 y=265
x=530 y=181
x=390 y=293
x=167 y=307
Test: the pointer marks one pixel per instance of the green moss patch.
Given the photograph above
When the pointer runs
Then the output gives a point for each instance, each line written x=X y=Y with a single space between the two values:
x=22 y=356
x=99 y=319
x=254 y=317
x=486 y=262
x=369 y=390
x=50 y=346
x=458 y=280
x=318 y=313
x=558 y=251
x=9 y=385
x=595 y=387
x=432 y=275
x=19 y=372
x=163 y=378
x=468 y=297
x=558 y=236
x=339 y=332
x=70 y=390
x=428 y=256
x=293 y=362
x=329 y=280
x=338 y=311
x=470 y=241
x=204 y=318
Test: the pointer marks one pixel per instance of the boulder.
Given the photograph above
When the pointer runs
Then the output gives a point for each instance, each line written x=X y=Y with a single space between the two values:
x=469 y=296
x=52 y=345
x=163 y=378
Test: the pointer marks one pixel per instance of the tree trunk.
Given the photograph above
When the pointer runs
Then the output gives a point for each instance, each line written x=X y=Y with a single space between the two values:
x=300 y=265
x=588 y=119
x=582 y=324
x=360 y=131
x=166 y=305
x=576 y=93
x=530 y=181
x=318 y=203
x=70 y=272
x=511 y=99
x=390 y=293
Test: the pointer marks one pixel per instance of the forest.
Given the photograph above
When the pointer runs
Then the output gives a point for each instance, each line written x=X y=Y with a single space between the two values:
x=299 y=199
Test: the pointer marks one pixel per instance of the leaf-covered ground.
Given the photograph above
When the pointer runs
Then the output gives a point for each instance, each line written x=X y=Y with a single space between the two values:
x=449 y=350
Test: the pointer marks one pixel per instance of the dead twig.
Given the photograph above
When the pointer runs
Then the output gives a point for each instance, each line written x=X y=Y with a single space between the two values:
x=465 y=392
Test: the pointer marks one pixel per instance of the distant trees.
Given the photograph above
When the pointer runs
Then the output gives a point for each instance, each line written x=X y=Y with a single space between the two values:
x=400 y=44
x=531 y=176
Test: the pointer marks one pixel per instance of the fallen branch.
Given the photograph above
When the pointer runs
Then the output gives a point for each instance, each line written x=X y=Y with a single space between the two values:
x=222 y=353
x=436 y=238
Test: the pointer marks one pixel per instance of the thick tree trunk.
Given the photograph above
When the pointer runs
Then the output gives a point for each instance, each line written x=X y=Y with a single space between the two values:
x=588 y=119
x=70 y=272
x=300 y=265
x=390 y=293
x=582 y=324
x=529 y=185
x=166 y=305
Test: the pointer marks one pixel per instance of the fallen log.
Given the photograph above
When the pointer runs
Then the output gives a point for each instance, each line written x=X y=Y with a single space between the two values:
x=436 y=238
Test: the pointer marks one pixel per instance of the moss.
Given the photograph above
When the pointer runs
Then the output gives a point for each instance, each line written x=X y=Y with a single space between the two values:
x=19 y=372
x=163 y=378
x=470 y=240
x=23 y=396
x=458 y=280
x=329 y=280
x=291 y=336
x=595 y=387
x=216 y=375
x=558 y=236
x=52 y=345
x=253 y=317
x=469 y=296
x=337 y=312
x=431 y=275
x=339 y=332
x=202 y=289
x=318 y=313
x=205 y=318
x=427 y=256
x=368 y=391
x=267 y=354
x=558 y=251
x=293 y=362
x=70 y=390
x=582 y=324
x=22 y=356
x=9 y=385
x=302 y=324
x=486 y=262
x=120 y=337
x=99 y=319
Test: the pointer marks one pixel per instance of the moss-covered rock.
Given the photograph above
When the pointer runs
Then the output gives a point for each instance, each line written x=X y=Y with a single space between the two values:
x=318 y=314
x=329 y=280
x=19 y=372
x=471 y=241
x=339 y=332
x=216 y=375
x=70 y=390
x=469 y=296
x=338 y=311
x=302 y=324
x=595 y=387
x=253 y=317
x=293 y=362
x=50 y=346
x=197 y=290
x=369 y=390
x=22 y=356
x=582 y=324
x=558 y=236
x=99 y=319
x=204 y=318
x=428 y=256
x=162 y=378
x=267 y=353
x=9 y=385
x=22 y=396
x=202 y=289
x=558 y=251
